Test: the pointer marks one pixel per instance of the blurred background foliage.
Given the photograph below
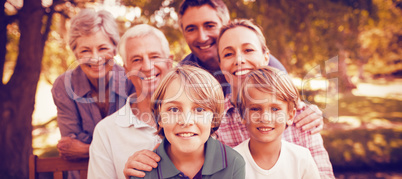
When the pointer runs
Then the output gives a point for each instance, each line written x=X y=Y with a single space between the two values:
x=364 y=35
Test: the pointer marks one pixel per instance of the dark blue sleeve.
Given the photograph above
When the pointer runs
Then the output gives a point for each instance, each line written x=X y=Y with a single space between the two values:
x=273 y=62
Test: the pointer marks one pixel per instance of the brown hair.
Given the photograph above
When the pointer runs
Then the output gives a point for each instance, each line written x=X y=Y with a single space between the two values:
x=220 y=7
x=270 y=80
x=206 y=90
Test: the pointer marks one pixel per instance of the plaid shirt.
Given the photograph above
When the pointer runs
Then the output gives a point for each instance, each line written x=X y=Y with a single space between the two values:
x=233 y=132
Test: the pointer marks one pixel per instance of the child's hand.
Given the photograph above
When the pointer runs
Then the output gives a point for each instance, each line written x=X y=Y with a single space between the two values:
x=143 y=160
x=310 y=118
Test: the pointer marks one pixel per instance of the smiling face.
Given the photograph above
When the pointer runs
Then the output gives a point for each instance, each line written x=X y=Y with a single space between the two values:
x=240 y=52
x=266 y=116
x=95 y=53
x=201 y=26
x=186 y=124
x=146 y=63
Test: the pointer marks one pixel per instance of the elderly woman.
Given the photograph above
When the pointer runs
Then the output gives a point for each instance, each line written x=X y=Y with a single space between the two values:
x=93 y=90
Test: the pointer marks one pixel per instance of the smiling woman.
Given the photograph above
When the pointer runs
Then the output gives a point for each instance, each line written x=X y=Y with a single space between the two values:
x=93 y=90
x=95 y=54
x=242 y=49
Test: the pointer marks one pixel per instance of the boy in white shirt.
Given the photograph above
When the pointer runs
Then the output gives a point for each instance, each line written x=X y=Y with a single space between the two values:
x=267 y=101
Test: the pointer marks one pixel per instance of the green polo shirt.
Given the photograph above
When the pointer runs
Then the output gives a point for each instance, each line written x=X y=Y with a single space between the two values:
x=221 y=162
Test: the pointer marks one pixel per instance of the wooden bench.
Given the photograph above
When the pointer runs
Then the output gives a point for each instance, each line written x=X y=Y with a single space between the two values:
x=56 y=165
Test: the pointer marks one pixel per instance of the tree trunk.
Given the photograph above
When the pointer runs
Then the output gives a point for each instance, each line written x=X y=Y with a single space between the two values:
x=3 y=40
x=361 y=71
x=345 y=83
x=17 y=97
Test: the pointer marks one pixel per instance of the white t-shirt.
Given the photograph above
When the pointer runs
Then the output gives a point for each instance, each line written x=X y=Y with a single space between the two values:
x=294 y=162
x=115 y=139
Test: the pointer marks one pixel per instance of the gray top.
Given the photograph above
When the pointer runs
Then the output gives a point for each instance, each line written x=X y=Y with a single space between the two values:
x=77 y=112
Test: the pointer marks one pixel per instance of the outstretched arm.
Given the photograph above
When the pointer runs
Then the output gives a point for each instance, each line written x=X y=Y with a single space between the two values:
x=310 y=118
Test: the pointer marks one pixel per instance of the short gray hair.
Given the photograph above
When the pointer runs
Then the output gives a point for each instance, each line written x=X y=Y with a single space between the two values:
x=142 y=30
x=88 y=22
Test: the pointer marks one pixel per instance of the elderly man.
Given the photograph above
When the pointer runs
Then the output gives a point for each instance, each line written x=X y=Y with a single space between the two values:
x=146 y=56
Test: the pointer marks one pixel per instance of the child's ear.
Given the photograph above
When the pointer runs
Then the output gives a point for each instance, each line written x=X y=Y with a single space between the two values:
x=213 y=124
x=291 y=116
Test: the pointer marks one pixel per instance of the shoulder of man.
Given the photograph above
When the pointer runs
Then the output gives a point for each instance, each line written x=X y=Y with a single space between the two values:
x=274 y=62
x=190 y=59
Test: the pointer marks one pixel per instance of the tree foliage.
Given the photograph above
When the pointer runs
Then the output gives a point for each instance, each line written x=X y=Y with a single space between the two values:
x=303 y=34
x=381 y=40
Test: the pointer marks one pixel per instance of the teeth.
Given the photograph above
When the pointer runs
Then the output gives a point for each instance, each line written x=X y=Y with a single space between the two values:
x=204 y=47
x=242 y=72
x=186 y=134
x=149 y=78
x=97 y=66
x=264 y=129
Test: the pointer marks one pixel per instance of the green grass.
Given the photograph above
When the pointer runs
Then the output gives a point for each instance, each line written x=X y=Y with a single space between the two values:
x=367 y=108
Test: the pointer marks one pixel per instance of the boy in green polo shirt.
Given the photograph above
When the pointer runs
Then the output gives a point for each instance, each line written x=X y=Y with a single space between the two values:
x=188 y=106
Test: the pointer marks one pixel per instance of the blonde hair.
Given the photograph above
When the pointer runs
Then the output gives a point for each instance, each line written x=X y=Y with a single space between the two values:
x=270 y=80
x=88 y=22
x=249 y=25
x=197 y=82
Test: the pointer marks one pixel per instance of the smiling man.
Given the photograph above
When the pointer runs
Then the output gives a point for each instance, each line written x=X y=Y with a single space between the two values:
x=201 y=22
x=146 y=56
x=201 y=29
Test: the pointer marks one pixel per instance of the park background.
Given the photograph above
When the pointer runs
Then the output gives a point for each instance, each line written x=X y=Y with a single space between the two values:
x=344 y=55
